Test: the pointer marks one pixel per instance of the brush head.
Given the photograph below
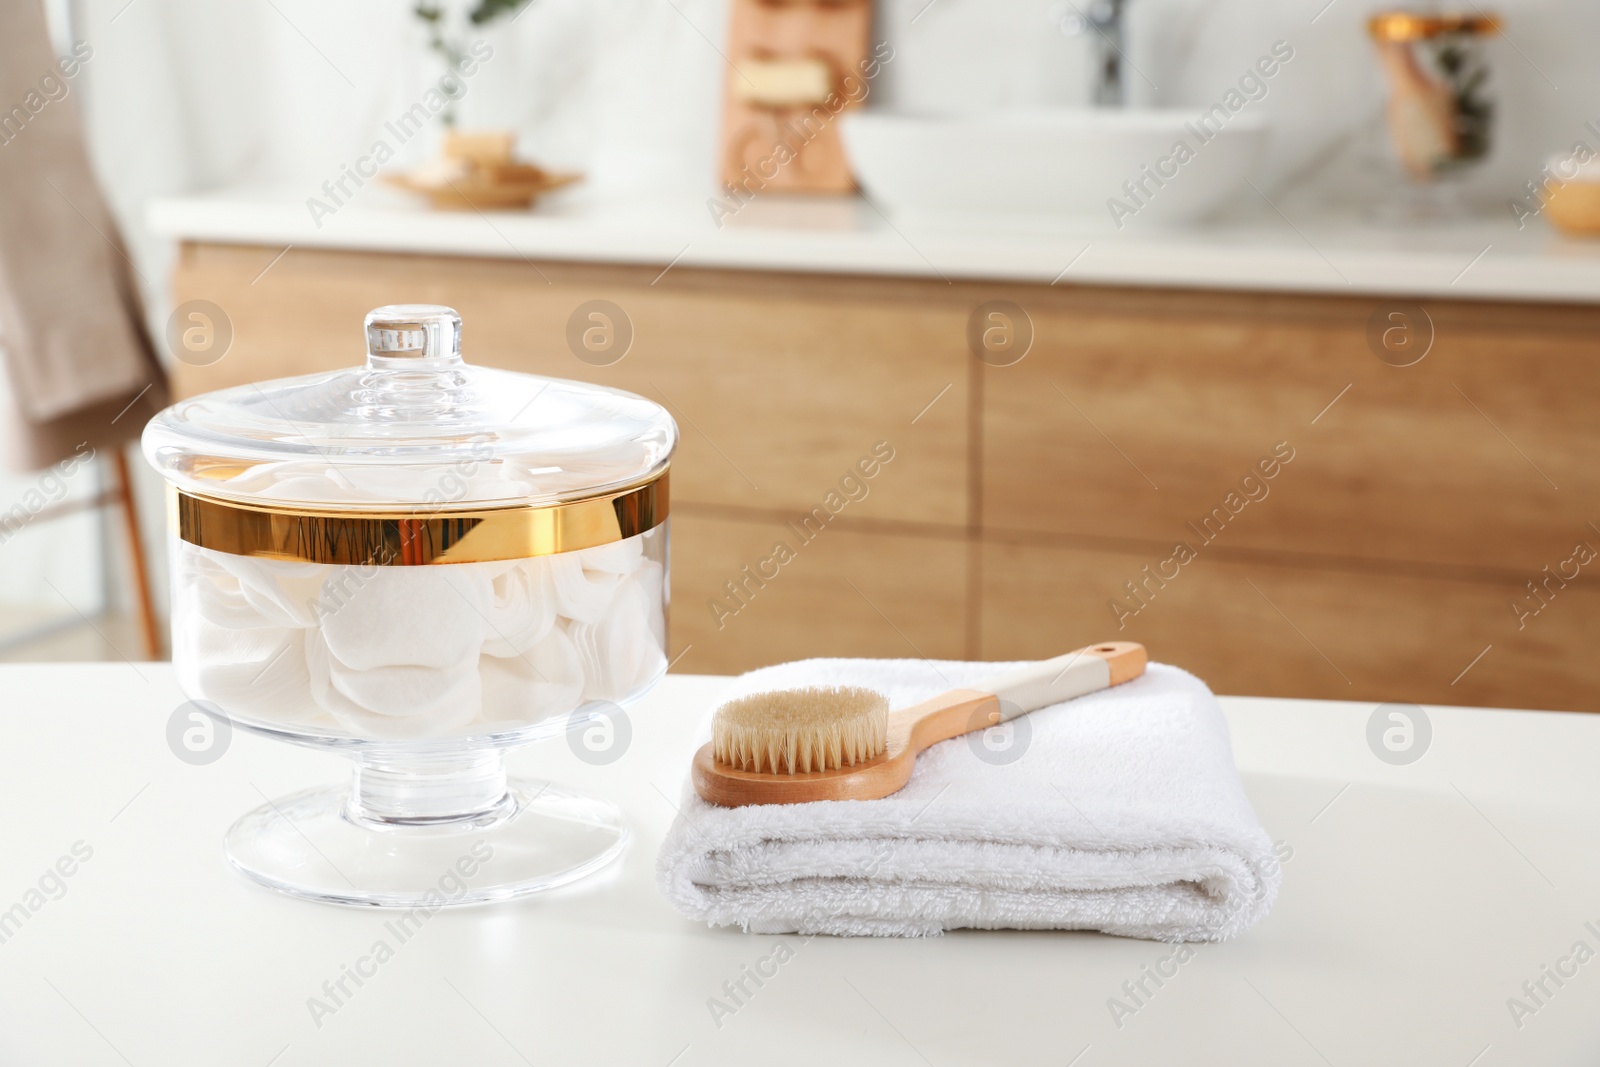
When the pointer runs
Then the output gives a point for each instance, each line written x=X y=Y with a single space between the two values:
x=801 y=731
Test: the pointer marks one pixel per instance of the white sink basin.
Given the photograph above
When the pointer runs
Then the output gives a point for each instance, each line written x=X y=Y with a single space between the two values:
x=1070 y=162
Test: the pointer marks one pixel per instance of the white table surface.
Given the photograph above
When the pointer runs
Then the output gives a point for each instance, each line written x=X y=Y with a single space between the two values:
x=1261 y=250
x=1416 y=901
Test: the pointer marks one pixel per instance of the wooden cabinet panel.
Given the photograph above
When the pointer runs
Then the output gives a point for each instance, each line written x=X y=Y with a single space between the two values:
x=848 y=592
x=780 y=384
x=1267 y=628
x=1135 y=415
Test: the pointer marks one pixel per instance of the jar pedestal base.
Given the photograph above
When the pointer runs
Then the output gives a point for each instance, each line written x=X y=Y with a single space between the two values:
x=317 y=844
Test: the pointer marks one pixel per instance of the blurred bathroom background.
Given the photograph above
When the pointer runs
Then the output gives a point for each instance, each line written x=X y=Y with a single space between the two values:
x=188 y=97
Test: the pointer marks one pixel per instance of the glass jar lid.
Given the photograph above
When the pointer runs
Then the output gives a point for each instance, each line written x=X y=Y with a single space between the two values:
x=416 y=427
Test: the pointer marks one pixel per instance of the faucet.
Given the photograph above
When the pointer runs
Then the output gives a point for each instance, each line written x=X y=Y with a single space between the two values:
x=1102 y=20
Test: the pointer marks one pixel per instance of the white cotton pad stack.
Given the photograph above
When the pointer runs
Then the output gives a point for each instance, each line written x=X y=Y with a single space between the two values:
x=399 y=658
x=397 y=652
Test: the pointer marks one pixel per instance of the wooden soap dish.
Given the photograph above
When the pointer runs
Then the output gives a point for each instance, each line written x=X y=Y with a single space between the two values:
x=477 y=171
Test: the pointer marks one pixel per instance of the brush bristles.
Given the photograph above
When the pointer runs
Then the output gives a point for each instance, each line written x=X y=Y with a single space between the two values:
x=801 y=730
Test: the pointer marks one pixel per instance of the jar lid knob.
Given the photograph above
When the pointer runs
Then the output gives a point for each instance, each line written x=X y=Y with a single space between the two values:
x=427 y=332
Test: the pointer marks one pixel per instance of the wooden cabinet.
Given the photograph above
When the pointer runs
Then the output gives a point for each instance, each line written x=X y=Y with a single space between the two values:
x=1153 y=406
x=1406 y=511
x=847 y=591
x=779 y=385
x=1276 y=625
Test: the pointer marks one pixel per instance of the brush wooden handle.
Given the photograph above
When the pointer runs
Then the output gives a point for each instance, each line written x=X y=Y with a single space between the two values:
x=1088 y=670
x=913 y=729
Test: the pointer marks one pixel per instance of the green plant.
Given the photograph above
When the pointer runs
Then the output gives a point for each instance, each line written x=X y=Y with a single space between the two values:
x=1467 y=75
x=450 y=49
x=489 y=10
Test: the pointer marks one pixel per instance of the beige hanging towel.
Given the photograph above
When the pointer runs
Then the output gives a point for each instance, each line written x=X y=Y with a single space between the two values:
x=79 y=361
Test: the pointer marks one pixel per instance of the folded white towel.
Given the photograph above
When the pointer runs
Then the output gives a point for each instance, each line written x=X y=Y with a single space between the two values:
x=1124 y=813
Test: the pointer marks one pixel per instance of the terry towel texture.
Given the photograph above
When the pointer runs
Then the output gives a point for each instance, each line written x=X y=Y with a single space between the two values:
x=1124 y=813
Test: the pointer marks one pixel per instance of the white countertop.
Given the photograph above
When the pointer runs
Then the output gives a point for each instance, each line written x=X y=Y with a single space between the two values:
x=1486 y=258
x=1416 y=901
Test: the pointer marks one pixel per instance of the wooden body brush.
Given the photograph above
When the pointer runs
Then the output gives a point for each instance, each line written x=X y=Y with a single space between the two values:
x=795 y=746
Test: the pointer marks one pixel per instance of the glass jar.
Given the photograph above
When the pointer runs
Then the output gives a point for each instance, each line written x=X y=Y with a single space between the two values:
x=420 y=564
x=1439 y=109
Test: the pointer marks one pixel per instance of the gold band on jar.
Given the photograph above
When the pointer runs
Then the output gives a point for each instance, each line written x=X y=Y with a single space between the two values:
x=407 y=539
x=1410 y=26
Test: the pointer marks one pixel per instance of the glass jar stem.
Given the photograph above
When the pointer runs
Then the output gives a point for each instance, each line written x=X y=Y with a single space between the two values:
x=412 y=789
